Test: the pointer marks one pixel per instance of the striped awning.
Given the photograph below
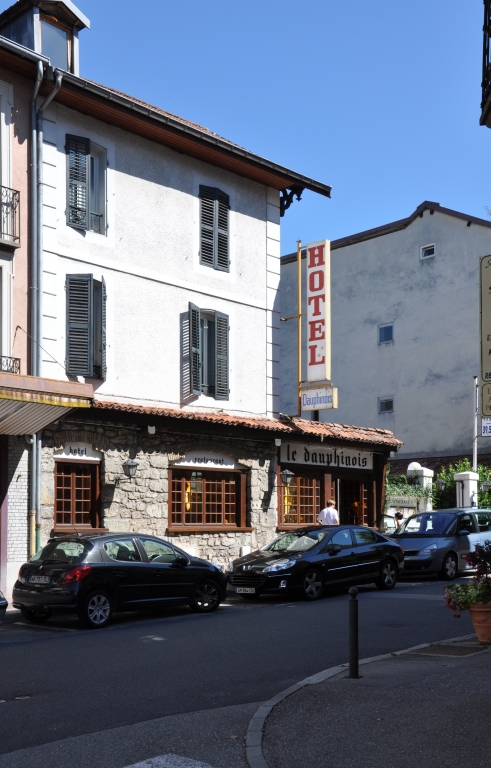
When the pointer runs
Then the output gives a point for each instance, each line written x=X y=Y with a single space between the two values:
x=30 y=403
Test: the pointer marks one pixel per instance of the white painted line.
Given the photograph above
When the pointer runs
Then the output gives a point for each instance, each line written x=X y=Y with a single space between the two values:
x=152 y=637
x=170 y=761
x=42 y=626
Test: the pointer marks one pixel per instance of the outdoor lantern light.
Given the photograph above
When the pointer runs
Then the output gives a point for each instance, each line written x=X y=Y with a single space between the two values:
x=129 y=467
x=485 y=486
x=440 y=484
x=286 y=476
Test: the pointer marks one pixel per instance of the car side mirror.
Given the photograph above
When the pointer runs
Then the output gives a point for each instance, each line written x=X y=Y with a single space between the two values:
x=464 y=532
x=334 y=550
x=181 y=561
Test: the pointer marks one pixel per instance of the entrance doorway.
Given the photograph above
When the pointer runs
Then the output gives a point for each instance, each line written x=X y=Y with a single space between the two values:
x=353 y=502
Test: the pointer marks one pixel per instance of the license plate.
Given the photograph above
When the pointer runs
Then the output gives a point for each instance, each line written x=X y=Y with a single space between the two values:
x=39 y=579
x=245 y=591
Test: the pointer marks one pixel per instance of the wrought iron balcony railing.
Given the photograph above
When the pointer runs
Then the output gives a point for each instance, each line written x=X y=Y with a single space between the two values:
x=9 y=215
x=10 y=364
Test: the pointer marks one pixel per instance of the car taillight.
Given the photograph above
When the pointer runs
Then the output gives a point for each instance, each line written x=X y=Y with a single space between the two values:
x=76 y=574
x=20 y=576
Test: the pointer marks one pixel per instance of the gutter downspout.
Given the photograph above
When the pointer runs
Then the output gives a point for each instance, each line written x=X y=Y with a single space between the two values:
x=38 y=290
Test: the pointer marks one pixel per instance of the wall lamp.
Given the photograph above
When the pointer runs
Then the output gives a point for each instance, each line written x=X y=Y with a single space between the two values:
x=286 y=476
x=485 y=486
x=129 y=468
x=440 y=484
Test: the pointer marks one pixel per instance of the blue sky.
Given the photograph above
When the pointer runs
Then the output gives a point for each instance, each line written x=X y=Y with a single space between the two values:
x=379 y=99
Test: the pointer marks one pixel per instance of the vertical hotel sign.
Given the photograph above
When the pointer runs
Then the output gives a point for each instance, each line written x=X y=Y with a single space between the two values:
x=319 y=311
x=485 y=302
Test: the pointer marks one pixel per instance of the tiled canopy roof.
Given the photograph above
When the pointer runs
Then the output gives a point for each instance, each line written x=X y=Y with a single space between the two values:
x=284 y=425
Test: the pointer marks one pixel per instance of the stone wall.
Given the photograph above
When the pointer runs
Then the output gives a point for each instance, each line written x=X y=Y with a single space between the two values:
x=18 y=500
x=141 y=505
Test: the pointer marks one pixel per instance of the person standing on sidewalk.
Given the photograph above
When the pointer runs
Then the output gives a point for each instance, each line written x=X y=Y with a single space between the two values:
x=329 y=515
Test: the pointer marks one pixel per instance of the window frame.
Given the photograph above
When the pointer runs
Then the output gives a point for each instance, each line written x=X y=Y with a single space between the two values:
x=92 y=151
x=379 y=328
x=54 y=22
x=385 y=400
x=96 y=503
x=240 y=524
x=327 y=490
x=198 y=351
x=423 y=248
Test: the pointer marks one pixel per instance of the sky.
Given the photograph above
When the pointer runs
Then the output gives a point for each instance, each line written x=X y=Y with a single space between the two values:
x=381 y=100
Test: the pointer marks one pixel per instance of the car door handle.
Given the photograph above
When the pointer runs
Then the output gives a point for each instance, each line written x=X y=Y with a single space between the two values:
x=158 y=572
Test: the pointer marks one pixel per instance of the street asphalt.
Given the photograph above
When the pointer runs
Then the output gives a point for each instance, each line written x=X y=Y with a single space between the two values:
x=181 y=685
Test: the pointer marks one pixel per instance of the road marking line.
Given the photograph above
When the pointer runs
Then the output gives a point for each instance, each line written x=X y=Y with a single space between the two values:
x=170 y=761
x=40 y=626
x=152 y=637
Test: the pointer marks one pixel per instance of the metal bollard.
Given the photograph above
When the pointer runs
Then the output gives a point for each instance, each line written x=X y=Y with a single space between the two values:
x=353 y=634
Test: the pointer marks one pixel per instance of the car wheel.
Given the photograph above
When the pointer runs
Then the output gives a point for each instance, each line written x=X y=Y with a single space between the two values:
x=206 y=598
x=449 y=567
x=35 y=617
x=97 y=610
x=388 y=575
x=312 y=584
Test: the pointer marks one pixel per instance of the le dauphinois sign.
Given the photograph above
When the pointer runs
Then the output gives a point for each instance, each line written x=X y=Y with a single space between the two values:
x=324 y=456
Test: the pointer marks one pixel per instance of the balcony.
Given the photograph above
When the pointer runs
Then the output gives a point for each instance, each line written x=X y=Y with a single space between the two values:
x=9 y=365
x=486 y=67
x=9 y=217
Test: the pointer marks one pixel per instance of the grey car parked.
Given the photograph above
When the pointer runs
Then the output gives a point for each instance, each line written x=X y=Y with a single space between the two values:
x=438 y=541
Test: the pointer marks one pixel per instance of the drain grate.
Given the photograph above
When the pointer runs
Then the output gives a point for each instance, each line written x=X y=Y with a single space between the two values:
x=452 y=650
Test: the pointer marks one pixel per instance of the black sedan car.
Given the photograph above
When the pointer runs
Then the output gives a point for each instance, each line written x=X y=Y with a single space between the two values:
x=307 y=560
x=94 y=575
x=3 y=606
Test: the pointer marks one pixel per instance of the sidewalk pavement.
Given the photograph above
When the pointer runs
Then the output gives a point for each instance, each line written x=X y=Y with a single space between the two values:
x=427 y=708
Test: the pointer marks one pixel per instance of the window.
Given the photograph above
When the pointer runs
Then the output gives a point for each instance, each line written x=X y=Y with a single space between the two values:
x=214 y=228
x=386 y=333
x=207 y=499
x=484 y=521
x=364 y=537
x=77 y=494
x=86 y=326
x=341 y=539
x=86 y=185
x=426 y=251
x=157 y=551
x=208 y=348
x=56 y=43
x=300 y=501
x=123 y=550
x=385 y=404
x=71 y=552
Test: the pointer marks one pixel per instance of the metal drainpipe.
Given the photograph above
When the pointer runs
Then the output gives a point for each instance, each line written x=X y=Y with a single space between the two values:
x=33 y=221
x=39 y=291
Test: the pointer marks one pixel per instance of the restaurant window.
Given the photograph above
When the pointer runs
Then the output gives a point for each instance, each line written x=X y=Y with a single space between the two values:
x=77 y=495
x=300 y=501
x=207 y=499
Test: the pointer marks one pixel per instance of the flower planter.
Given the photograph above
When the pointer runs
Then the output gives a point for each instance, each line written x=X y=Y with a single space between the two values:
x=481 y=618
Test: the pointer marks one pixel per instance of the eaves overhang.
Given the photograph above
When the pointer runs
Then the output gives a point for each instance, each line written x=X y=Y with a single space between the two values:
x=29 y=403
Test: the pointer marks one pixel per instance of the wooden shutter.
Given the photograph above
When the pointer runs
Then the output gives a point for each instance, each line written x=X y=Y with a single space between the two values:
x=103 y=332
x=214 y=229
x=77 y=151
x=207 y=226
x=194 y=349
x=221 y=357
x=79 y=331
x=221 y=210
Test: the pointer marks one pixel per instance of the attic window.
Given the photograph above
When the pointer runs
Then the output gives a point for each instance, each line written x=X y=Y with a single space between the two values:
x=426 y=251
x=56 y=42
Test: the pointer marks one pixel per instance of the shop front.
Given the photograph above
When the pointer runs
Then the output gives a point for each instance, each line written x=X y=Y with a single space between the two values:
x=350 y=476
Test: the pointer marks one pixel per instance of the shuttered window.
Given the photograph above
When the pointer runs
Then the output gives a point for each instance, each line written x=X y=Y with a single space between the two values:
x=86 y=184
x=208 y=353
x=85 y=326
x=214 y=228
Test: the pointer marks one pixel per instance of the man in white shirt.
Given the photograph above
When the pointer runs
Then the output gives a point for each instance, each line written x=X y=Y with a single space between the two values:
x=329 y=515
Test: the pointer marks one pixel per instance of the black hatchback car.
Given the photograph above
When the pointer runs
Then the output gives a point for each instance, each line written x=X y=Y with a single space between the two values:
x=308 y=559
x=96 y=575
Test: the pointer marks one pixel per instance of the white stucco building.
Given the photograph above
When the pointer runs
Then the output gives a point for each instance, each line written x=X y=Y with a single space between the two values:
x=405 y=330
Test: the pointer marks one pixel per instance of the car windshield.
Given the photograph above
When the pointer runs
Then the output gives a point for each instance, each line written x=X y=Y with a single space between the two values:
x=296 y=541
x=63 y=552
x=426 y=524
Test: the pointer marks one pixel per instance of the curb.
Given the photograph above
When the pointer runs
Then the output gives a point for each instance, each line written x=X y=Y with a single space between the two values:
x=254 y=752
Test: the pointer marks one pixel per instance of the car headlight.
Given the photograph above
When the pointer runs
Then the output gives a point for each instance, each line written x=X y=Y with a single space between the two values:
x=429 y=550
x=218 y=567
x=230 y=567
x=280 y=565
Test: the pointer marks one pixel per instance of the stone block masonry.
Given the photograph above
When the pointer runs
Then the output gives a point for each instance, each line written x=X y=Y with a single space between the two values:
x=18 y=500
x=142 y=504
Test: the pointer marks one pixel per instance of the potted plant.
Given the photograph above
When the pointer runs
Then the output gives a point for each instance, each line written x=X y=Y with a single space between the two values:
x=475 y=595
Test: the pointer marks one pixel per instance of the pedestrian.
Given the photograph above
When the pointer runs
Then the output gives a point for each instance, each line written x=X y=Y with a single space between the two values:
x=329 y=515
x=399 y=518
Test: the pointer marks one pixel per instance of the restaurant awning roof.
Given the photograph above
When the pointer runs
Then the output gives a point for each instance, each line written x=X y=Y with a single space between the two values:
x=30 y=403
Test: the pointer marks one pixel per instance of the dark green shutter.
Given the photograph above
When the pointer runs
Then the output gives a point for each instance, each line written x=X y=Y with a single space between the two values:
x=194 y=349
x=214 y=229
x=79 y=330
x=207 y=226
x=103 y=332
x=77 y=151
x=221 y=357
x=221 y=208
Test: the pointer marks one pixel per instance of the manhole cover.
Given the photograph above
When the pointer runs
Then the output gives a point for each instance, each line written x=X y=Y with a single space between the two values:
x=451 y=650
